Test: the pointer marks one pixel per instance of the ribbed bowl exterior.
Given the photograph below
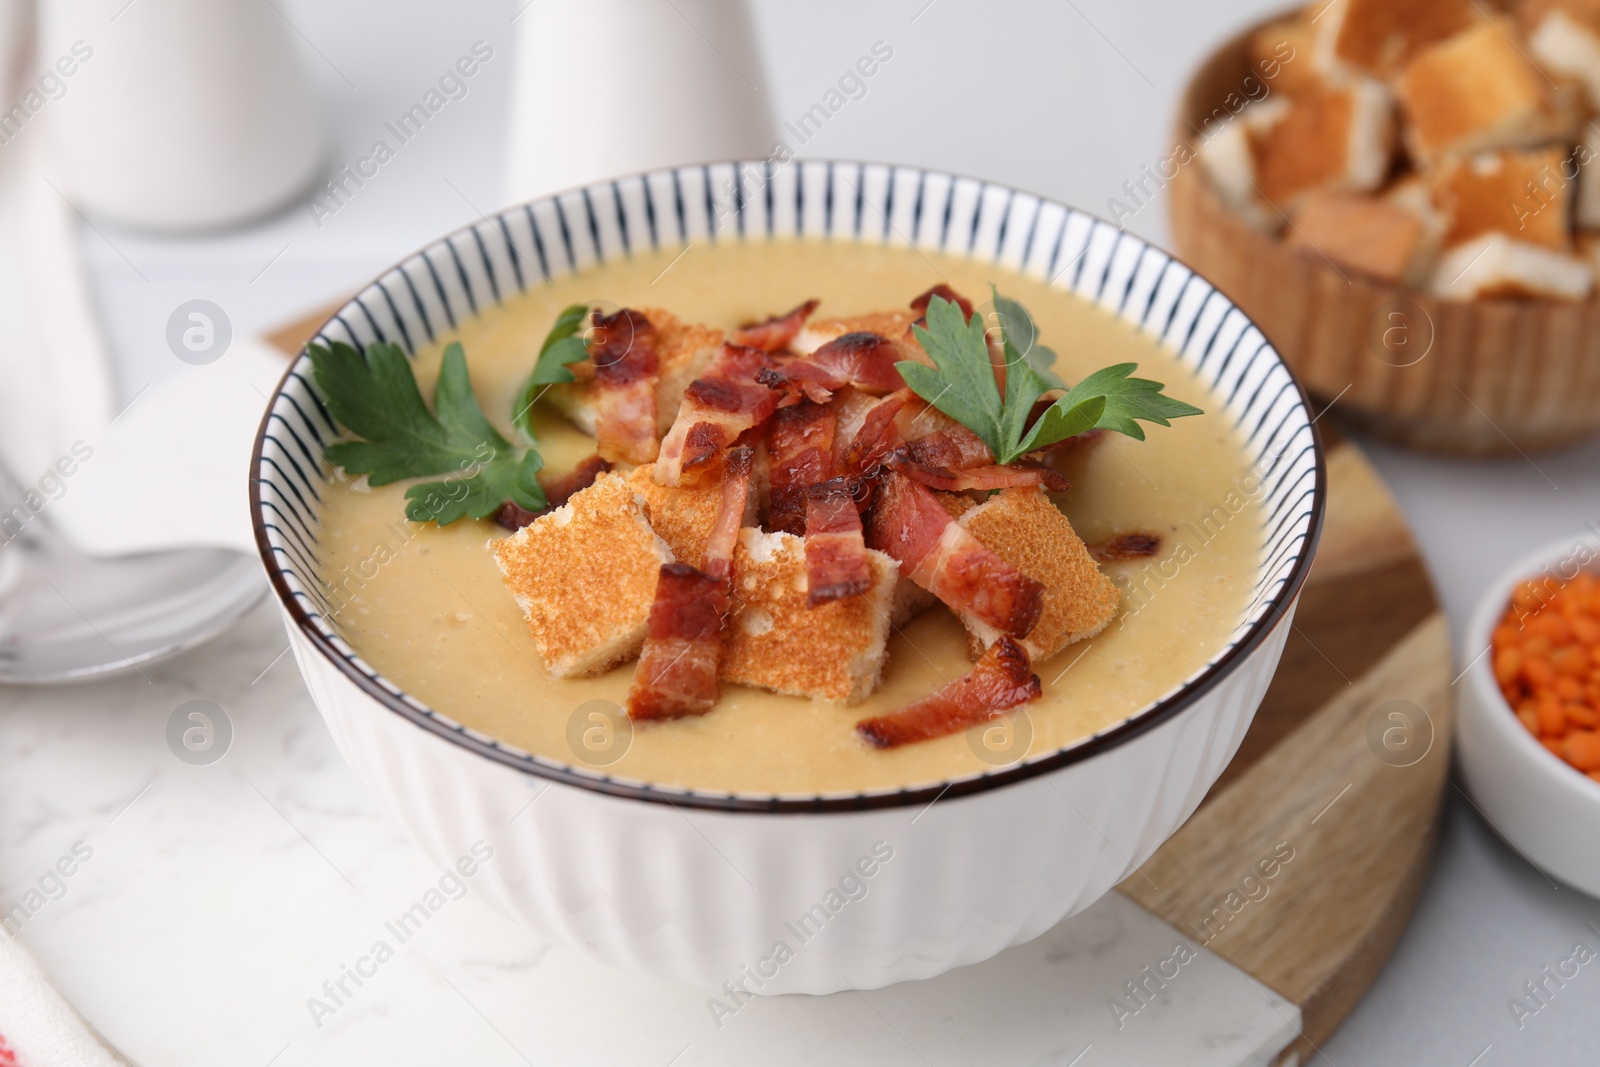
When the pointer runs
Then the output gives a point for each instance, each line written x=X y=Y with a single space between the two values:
x=778 y=894
x=704 y=897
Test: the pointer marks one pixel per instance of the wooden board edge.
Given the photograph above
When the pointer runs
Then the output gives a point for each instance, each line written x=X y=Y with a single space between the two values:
x=1319 y=935
x=292 y=336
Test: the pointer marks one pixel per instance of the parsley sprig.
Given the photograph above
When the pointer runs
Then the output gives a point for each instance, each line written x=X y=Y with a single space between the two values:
x=376 y=398
x=562 y=345
x=963 y=385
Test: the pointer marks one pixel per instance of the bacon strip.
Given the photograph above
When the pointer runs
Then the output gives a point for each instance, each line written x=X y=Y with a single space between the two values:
x=944 y=292
x=557 y=491
x=1001 y=679
x=953 y=447
x=940 y=555
x=737 y=475
x=993 y=476
x=800 y=447
x=875 y=439
x=677 y=671
x=836 y=555
x=716 y=410
x=778 y=332
x=862 y=359
x=627 y=370
x=1127 y=546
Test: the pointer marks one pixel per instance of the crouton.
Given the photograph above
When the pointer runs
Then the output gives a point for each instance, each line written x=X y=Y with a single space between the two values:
x=1377 y=38
x=1564 y=39
x=1495 y=265
x=1585 y=160
x=1588 y=248
x=1226 y=157
x=1283 y=149
x=1476 y=92
x=1280 y=54
x=585 y=576
x=1523 y=195
x=776 y=641
x=1029 y=532
x=685 y=349
x=1369 y=234
x=682 y=516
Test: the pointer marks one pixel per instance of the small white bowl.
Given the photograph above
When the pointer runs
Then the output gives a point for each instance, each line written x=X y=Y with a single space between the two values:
x=1545 y=808
x=712 y=888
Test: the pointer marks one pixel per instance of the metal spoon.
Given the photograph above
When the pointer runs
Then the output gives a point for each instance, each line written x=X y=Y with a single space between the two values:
x=66 y=616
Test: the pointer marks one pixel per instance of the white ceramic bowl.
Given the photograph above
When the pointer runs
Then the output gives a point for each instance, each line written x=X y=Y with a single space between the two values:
x=1548 y=811
x=809 y=893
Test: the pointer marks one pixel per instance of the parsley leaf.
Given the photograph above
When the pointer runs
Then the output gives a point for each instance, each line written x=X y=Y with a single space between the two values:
x=376 y=398
x=964 y=388
x=562 y=346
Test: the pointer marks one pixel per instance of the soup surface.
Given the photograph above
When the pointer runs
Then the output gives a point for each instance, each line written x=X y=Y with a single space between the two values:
x=425 y=606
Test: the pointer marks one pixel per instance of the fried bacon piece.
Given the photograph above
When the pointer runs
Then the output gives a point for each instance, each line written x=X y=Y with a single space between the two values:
x=910 y=524
x=737 y=478
x=627 y=370
x=874 y=439
x=836 y=555
x=800 y=447
x=953 y=447
x=864 y=360
x=557 y=491
x=944 y=292
x=716 y=410
x=1001 y=679
x=991 y=476
x=1127 y=546
x=777 y=333
x=677 y=671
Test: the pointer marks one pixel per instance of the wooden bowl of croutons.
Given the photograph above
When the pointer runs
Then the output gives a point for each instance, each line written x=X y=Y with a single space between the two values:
x=1405 y=196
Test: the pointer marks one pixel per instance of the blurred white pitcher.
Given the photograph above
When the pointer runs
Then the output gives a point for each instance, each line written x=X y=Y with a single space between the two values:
x=178 y=114
x=608 y=87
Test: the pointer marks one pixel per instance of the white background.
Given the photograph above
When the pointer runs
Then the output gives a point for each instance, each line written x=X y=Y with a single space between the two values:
x=1066 y=99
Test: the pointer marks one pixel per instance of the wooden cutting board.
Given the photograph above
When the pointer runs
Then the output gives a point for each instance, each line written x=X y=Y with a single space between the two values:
x=1344 y=769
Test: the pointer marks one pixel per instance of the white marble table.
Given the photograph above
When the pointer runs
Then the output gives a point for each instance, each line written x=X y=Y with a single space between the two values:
x=219 y=898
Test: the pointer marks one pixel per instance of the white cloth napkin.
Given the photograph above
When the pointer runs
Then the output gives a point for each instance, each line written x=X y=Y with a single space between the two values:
x=174 y=468
x=38 y=1028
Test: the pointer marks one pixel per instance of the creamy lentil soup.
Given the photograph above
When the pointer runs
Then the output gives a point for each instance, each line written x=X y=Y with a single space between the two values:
x=425 y=605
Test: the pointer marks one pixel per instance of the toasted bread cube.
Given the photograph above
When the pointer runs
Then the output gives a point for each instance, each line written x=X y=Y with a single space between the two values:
x=1494 y=265
x=1523 y=195
x=585 y=576
x=685 y=349
x=1225 y=155
x=1564 y=39
x=1585 y=159
x=1377 y=38
x=1588 y=245
x=1336 y=138
x=682 y=516
x=1340 y=138
x=1280 y=55
x=1476 y=92
x=1372 y=235
x=777 y=641
x=1029 y=532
